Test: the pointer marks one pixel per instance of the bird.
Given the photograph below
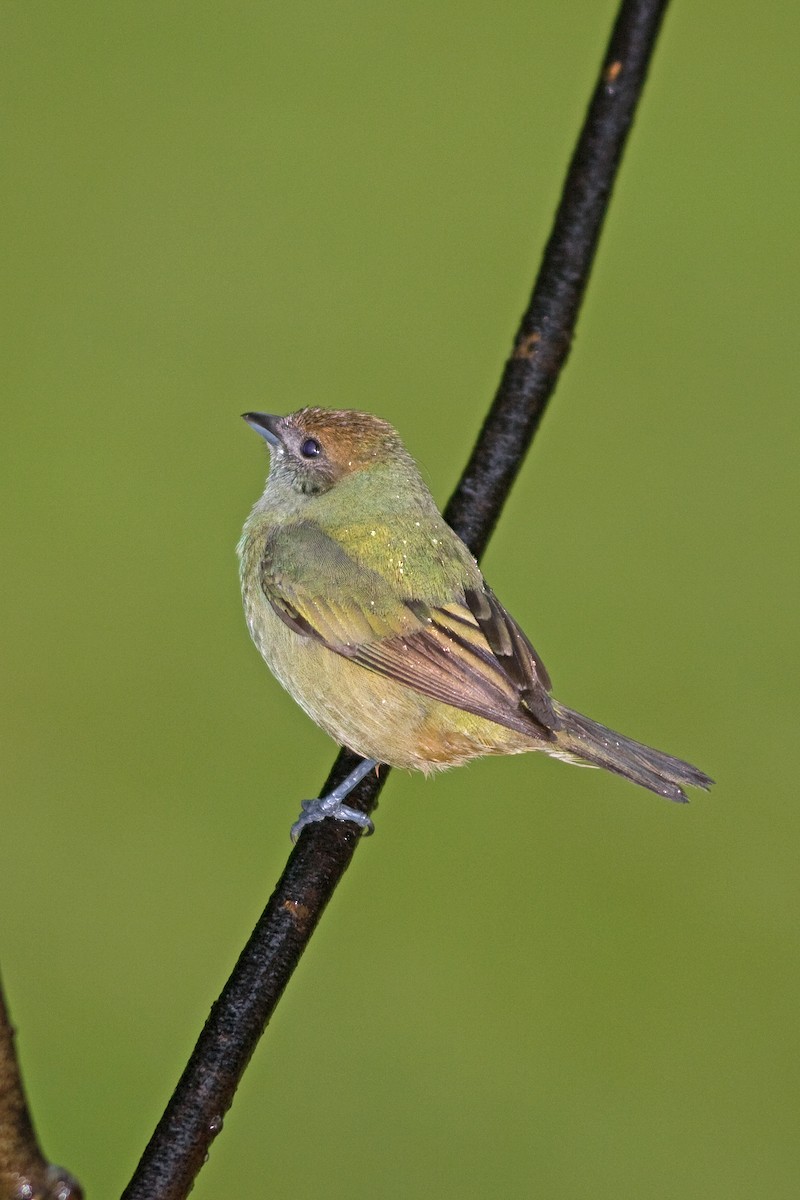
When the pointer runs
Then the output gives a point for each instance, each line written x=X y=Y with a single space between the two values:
x=376 y=618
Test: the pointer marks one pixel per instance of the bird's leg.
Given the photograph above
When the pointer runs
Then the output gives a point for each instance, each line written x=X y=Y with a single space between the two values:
x=332 y=806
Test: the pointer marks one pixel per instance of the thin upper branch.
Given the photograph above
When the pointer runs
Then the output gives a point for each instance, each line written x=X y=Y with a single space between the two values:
x=205 y=1091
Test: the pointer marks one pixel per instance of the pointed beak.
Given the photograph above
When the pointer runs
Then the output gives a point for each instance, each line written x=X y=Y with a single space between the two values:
x=265 y=424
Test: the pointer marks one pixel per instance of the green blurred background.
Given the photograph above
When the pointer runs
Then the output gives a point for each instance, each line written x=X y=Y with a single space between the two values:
x=534 y=981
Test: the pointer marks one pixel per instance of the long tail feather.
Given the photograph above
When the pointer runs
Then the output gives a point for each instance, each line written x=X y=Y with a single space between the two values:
x=593 y=743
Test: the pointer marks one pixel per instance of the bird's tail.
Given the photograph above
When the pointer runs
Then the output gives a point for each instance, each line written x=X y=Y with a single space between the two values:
x=591 y=743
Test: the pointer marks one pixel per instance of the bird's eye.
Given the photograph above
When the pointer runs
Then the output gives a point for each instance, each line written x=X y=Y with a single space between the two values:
x=310 y=448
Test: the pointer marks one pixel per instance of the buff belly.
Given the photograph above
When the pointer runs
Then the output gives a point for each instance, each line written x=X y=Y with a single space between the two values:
x=373 y=715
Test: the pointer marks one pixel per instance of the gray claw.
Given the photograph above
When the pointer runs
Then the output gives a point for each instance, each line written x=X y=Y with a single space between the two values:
x=332 y=806
x=318 y=810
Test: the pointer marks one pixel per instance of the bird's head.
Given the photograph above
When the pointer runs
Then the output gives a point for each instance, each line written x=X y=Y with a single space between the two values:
x=314 y=449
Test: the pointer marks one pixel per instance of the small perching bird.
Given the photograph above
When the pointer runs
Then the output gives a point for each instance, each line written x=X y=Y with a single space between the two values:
x=376 y=618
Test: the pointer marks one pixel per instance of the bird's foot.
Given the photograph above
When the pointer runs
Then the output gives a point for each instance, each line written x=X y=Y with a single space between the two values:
x=332 y=805
x=318 y=810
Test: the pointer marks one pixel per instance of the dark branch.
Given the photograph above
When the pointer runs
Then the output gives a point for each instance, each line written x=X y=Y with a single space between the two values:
x=545 y=334
x=205 y=1091
x=25 y=1174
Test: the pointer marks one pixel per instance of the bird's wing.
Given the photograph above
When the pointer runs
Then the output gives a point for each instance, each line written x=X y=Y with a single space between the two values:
x=466 y=651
